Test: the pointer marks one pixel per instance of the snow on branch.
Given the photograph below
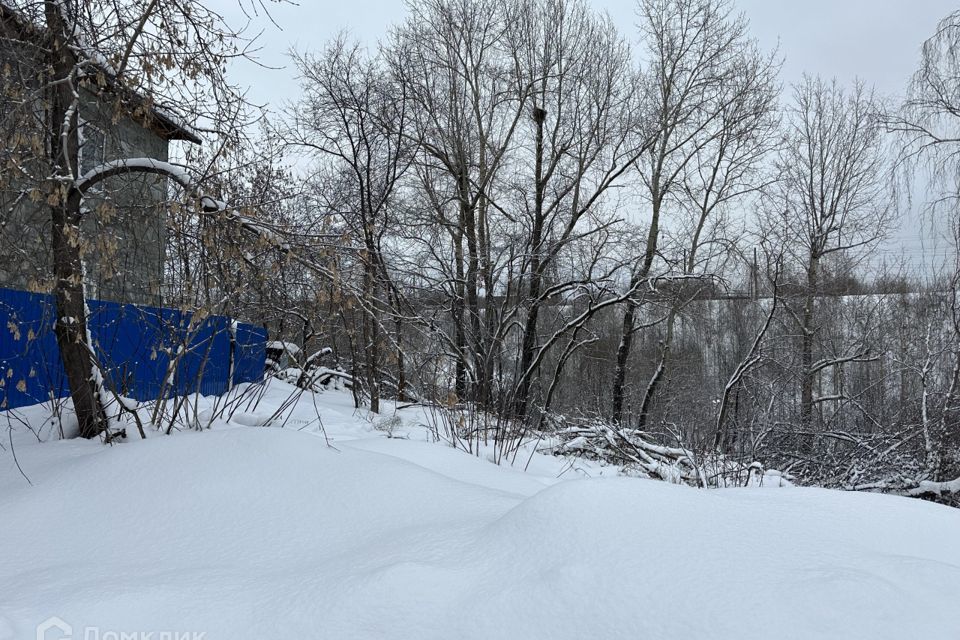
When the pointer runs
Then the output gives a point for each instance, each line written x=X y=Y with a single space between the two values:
x=928 y=487
x=134 y=165
x=208 y=204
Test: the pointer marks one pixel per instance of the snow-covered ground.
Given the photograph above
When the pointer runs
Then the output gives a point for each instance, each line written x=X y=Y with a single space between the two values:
x=247 y=532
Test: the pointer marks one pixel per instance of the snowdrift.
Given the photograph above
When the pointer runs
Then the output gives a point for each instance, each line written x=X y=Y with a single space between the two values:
x=269 y=533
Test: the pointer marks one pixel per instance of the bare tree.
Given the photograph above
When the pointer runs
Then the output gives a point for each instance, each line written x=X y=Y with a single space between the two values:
x=587 y=127
x=928 y=122
x=710 y=93
x=833 y=199
x=450 y=56
x=927 y=127
x=353 y=118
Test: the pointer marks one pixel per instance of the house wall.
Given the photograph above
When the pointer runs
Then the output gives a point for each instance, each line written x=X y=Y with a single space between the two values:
x=24 y=226
x=126 y=223
x=124 y=232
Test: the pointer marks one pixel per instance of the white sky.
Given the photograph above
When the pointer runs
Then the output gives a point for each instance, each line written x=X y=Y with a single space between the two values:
x=875 y=40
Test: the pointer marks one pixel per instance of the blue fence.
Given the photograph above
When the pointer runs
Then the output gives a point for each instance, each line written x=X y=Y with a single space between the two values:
x=135 y=346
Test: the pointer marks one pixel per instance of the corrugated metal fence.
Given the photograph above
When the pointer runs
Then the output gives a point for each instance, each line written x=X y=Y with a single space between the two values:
x=144 y=351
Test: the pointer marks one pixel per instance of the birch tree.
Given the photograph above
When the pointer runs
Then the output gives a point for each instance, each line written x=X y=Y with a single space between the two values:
x=927 y=126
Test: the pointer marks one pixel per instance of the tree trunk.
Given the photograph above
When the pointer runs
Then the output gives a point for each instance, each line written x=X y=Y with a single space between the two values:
x=806 y=349
x=371 y=334
x=528 y=344
x=623 y=353
x=460 y=334
x=657 y=377
x=487 y=321
x=527 y=351
x=401 y=363
x=71 y=325
x=629 y=315
x=468 y=216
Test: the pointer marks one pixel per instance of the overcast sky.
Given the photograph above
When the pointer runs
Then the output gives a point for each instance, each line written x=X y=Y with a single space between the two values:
x=875 y=40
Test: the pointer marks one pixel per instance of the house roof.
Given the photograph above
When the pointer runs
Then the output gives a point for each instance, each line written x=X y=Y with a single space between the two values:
x=162 y=122
x=141 y=108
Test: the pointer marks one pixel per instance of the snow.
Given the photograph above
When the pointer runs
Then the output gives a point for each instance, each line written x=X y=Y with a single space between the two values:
x=167 y=113
x=177 y=172
x=937 y=488
x=280 y=345
x=266 y=532
x=212 y=204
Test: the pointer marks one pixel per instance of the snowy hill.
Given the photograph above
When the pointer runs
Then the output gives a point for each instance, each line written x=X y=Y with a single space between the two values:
x=244 y=532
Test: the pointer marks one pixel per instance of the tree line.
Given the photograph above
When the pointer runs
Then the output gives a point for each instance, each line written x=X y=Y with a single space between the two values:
x=507 y=209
